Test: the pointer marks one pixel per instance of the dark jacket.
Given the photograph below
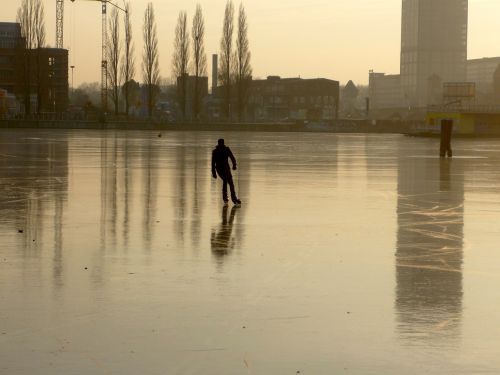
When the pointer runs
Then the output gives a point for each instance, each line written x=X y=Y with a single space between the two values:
x=220 y=162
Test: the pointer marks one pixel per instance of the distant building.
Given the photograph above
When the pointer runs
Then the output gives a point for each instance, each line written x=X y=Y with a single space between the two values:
x=433 y=46
x=482 y=72
x=54 y=77
x=202 y=87
x=49 y=64
x=293 y=99
x=433 y=52
x=10 y=35
x=385 y=91
x=350 y=91
x=9 y=106
x=10 y=67
x=349 y=96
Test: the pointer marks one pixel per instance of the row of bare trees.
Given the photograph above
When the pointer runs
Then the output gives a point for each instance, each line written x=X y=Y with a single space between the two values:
x=199 y=58
x=189 y=57
x=121 y=64
x=180 y=60
x=114 y=51
x=150 y=59
x=236 y=70
x=183 y=62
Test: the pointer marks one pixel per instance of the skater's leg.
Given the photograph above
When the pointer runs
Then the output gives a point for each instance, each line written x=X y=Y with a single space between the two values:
x=448 y=146
x=442 y=148
x=234 y=198
x=231 y=186
x=224 y=190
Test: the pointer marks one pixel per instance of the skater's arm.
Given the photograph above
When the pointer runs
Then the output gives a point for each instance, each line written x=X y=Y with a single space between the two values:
x=214 y=174
x=233 y=159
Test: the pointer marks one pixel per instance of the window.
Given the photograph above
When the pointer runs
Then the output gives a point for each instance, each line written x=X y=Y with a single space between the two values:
x=6 y=74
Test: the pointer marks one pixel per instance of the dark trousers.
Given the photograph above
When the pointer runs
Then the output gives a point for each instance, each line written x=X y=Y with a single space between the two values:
x=227 y=179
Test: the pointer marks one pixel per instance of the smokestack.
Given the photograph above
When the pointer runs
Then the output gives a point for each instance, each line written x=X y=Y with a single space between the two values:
x=215 y=72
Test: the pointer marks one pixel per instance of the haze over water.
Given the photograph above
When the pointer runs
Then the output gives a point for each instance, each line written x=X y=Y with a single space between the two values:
x=358 y=254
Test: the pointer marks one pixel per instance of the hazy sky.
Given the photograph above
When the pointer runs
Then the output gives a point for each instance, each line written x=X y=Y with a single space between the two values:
x=337 y=39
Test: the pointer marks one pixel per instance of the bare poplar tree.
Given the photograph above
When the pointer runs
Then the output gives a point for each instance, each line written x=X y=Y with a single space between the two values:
x=243 y=67
x=128 y=61
x=199 y=58
x=39 y=25
x=24 y=18
x=180 y=60
x=150 y=59
x=31 y=17
x=114 y=53
x=226 y=46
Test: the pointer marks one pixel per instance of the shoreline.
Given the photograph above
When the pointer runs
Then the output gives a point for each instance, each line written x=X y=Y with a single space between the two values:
x=338 y=127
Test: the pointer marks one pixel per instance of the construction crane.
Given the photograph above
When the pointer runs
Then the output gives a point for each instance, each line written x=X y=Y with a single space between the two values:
x=104 y=44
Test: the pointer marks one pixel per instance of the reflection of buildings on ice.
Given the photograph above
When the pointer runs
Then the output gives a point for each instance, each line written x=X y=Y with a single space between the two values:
x=429 y=248
x=34 y=179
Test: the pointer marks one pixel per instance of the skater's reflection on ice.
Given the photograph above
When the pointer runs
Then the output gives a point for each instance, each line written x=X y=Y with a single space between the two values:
x=222 y=241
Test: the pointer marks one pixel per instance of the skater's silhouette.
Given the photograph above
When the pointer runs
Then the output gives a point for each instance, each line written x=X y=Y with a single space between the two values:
x=220 y=166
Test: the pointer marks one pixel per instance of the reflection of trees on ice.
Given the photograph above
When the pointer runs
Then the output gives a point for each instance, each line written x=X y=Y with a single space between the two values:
x=34 y=175
x=222 y=241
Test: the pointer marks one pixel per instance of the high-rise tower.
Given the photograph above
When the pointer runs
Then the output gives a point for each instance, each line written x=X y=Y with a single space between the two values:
x=433 y=48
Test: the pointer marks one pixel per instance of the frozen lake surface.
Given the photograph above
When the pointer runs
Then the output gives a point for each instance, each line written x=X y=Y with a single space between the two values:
x=355 y=254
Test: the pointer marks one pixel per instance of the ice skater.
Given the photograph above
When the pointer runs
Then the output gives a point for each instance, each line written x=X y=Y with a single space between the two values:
x=220 y=166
